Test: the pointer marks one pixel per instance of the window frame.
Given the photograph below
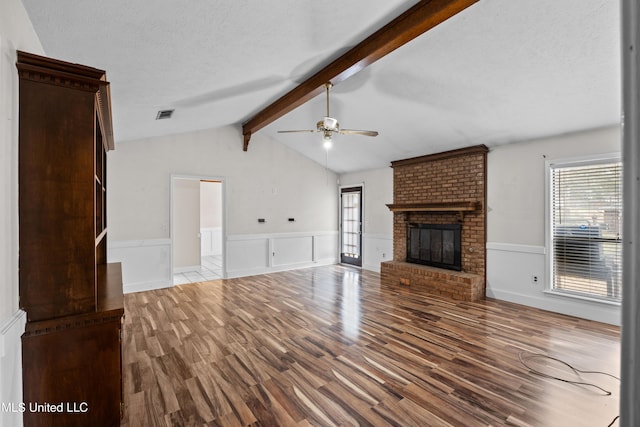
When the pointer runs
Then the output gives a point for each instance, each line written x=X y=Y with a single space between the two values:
x=550 y=165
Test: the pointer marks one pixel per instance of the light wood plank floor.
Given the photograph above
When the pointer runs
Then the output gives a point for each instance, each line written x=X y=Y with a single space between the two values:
x=331 y=346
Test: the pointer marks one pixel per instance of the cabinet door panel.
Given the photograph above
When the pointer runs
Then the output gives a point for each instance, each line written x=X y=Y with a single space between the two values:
x=79 y=367
x=56 y=188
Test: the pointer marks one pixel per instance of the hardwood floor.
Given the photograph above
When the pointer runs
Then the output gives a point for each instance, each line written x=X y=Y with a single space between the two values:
x=331 y=346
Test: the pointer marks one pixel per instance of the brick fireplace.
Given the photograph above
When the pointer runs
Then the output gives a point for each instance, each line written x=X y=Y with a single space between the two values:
x=433 y=191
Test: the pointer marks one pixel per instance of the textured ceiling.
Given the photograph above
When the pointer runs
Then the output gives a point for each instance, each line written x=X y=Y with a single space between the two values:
x=501 y=71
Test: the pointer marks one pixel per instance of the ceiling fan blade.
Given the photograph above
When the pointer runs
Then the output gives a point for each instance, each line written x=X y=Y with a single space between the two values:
x=359 y=132
x=290 y=131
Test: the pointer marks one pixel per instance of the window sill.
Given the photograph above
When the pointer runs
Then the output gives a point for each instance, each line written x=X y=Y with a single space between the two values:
x=582 y=298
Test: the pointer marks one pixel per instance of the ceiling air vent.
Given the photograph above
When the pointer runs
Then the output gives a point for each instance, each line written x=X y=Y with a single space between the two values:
x=164 y=114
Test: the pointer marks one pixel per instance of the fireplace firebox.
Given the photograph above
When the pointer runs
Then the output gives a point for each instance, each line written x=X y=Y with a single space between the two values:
x=437 y=245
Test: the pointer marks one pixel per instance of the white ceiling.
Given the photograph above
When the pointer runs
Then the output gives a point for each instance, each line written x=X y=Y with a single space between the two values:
x=501 y=71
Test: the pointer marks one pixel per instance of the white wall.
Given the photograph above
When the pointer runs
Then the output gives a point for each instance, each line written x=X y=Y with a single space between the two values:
x=377 y=233
x=268 y=181
x=16 y=33
x=210 y=204
x=210 y=218
x=186 y=224
x=516 y=220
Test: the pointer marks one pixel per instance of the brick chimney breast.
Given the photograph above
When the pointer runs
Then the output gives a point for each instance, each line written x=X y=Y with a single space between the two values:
x=443 y=188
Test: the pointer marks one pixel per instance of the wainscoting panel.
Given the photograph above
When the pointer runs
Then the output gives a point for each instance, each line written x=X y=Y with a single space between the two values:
x=146 y=264
x=375 y=249
x=325 y=248
x=211 y=241
x=11 y=368
x=264 y=253
x=510 y=269
x=247 y=255
x=291 y=251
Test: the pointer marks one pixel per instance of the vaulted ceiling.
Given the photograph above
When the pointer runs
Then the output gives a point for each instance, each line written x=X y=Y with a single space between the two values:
x=501 y=71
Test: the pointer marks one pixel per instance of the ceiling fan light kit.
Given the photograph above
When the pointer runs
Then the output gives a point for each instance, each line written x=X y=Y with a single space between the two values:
x=327 y=142
x=328 y=125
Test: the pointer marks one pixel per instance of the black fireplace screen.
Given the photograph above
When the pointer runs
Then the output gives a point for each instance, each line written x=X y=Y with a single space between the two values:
x=437 y=245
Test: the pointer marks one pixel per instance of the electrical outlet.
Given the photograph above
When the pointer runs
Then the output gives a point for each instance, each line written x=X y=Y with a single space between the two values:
x=534 y=279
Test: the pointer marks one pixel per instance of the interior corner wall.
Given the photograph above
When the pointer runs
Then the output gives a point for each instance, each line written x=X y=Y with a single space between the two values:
x=16 y=33
x=377 y=236
x=516 y=220
x=268 y=181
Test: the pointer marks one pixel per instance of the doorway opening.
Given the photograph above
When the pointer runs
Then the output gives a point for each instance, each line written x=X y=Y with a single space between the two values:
x=197 y=229
x=351 y=225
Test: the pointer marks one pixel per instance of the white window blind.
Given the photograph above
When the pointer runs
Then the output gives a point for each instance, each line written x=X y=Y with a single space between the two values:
x=586 y=215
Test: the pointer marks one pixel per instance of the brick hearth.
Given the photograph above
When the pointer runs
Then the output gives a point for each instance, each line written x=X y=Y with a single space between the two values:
x=451 y=284
x=443 y=188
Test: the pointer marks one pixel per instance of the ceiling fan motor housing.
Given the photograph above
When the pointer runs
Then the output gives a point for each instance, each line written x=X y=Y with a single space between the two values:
x=330 y=123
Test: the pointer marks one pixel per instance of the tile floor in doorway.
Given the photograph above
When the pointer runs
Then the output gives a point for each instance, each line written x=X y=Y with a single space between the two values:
x=211 y=269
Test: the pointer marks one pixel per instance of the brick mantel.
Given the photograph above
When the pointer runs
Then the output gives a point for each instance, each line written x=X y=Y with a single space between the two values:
x=443 y=188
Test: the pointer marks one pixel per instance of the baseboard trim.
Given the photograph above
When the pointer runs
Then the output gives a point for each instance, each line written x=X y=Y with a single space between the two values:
x=278 y=268
x=610 y=315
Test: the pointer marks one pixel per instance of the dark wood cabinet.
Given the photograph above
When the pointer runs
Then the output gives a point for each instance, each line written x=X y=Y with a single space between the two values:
x=72 y=297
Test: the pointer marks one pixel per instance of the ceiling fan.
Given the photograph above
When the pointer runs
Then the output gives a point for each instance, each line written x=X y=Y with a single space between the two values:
x=328 y=125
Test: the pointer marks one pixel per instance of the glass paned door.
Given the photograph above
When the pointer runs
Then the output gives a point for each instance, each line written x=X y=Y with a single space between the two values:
x=351 y=225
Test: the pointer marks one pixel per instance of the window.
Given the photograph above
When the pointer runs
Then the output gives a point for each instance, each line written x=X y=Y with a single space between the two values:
x=586 y=228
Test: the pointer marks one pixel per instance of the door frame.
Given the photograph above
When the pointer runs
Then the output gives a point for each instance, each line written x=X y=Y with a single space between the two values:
x=223 y=189
x=341 y=189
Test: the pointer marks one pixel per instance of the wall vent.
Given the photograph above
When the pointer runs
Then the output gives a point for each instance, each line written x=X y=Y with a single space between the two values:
x=164 y=114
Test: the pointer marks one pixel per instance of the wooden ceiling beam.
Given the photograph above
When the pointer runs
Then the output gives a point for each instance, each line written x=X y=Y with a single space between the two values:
x=418 y=19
